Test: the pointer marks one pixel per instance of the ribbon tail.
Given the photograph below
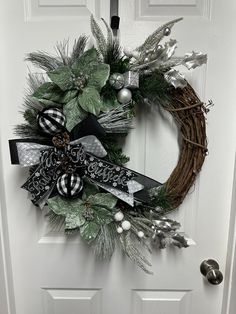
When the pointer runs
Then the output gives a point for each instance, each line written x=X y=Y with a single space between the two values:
x=122 y=182
x=148 y=183
x=42 y=202
x=41 y=184
x=26 y=152
x=125 y=197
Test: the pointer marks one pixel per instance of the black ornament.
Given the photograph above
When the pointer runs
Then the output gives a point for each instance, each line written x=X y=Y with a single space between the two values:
x=69 y=185
x=51 y=121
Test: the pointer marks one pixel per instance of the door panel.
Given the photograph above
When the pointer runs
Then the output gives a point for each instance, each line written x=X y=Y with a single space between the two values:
x=38 y=10
x=152 y=302
x=54 y=274
x=205 y=213
x=151 y=9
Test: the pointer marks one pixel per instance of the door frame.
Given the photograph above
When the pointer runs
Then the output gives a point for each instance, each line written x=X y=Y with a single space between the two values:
x=7 y=300
x=229 y=302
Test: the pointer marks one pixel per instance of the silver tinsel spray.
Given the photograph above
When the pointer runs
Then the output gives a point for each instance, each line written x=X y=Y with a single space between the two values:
x=117 y=120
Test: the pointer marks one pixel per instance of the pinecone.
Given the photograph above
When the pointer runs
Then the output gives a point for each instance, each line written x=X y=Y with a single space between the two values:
x=60 y=140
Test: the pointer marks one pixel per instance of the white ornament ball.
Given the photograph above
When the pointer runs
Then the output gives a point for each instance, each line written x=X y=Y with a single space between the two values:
x=128 y=52
x=119 y=230
x=131 y=53
x=135 y=54
x=126 y=225
x=119 y=216
x=140 y=234
x=124 y=96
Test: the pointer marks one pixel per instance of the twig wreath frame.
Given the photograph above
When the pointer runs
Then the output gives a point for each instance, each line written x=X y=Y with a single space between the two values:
x=189 y=114
x=75 y=113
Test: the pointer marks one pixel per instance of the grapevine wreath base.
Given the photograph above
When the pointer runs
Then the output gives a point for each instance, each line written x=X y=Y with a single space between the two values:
x=75 y=113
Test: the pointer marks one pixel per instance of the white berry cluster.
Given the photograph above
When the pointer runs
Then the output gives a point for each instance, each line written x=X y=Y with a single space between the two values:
x=125 y=224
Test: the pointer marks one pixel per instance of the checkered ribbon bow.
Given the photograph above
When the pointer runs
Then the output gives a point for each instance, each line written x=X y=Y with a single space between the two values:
x=84 y=153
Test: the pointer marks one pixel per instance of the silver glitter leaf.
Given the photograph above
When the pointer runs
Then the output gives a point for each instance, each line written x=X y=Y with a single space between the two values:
x=169 y=50
x=194 y=59
x=64 y=207
x=89 y=231
x=102 y=200
x=156 y=36
x=175 y=78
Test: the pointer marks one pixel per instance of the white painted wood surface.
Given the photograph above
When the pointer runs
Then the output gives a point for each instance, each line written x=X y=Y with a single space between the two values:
x=57 y=275
x=229 y=302
x=205 y=214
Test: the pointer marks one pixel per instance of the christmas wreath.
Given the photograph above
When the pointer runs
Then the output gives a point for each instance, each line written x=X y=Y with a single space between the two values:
x=77 y=110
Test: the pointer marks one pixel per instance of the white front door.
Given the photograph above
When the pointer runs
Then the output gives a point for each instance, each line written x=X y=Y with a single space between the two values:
x=52 y=274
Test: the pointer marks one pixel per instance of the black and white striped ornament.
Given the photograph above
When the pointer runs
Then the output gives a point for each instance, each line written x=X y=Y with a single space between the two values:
x=52 y=121
x=69 y=185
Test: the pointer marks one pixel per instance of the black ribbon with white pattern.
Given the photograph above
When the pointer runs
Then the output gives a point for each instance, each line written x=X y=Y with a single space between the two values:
x=120 y=181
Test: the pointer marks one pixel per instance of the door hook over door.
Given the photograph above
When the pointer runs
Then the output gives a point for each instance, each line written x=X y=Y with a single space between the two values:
x=211 y=270
x=115 y=19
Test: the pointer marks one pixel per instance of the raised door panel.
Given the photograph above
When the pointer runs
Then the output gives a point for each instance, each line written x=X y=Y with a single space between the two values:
x=149 y=9
x=62 y=9
x=61 y=301
x=153 y=302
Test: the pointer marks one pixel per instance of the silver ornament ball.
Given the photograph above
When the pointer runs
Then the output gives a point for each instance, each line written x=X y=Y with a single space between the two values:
x=126 y=225
x=124 y=96
x=117 y=80
x=167 y=31
x=119 y=216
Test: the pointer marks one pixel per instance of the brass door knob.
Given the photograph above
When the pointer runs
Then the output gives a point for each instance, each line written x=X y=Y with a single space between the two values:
x=211 y=270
